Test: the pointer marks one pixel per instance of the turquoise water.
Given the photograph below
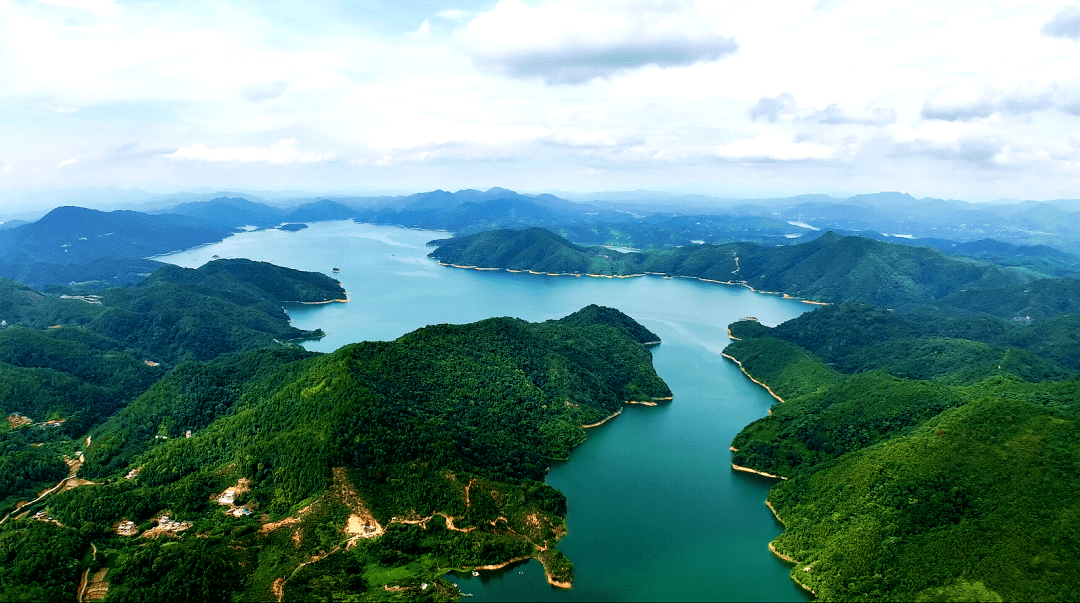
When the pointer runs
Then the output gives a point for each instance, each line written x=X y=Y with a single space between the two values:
x=655 y=511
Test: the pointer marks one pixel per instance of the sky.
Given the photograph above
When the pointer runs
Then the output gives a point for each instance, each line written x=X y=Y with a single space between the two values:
x=967 y=100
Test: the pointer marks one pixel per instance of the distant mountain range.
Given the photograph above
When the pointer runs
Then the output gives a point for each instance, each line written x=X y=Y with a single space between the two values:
x=74 y=245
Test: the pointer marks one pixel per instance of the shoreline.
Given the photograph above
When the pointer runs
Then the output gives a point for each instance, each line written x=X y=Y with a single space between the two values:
x=749 y=470
x=498 y=566
x=773 y=509
x=536 y=555
x=793 y=575
x=602 y=421
x=660 y=274
x=741 y=368
x=315 y=303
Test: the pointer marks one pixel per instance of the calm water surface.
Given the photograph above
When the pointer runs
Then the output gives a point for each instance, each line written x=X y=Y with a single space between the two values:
x=655 y=511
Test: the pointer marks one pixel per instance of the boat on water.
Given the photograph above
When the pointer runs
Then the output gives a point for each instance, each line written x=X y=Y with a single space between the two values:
x=337 y=270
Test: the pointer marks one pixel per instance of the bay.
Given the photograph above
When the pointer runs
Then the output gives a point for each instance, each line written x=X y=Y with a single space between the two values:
x=655 y=510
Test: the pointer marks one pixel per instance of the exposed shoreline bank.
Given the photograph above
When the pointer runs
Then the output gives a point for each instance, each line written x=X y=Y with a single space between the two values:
x=662 y=275
x=749 y=470
x=741 y=368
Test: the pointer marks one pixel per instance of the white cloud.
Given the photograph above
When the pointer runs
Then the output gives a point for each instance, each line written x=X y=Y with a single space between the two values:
x=572 y=42
x=66 y=162
x=7 y=168
x=970 y=100
x=1065 y=24
x=659 y=96
x=284 y=152
x=774 y=147
x=423 y=31
x=594 y=139
x=261 y=91
x=771 y=109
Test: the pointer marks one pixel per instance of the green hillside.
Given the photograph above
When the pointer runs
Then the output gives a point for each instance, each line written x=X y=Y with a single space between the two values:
x=534 y=249
x=438 y=442
x=925 y=457
x=829 y=269
x=68 y=362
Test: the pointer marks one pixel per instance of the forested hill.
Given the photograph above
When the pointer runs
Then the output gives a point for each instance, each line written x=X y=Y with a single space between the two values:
x=437 y=442
x=74 y=244
x=223 y=306
x=68 y=362
x=831 y=268
x=533 y=249
x=928 y=457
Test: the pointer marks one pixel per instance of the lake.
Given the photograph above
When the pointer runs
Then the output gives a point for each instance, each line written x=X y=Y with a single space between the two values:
x=655 y=510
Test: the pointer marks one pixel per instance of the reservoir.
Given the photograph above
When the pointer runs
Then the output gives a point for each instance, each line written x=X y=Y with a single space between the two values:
x=655 y=511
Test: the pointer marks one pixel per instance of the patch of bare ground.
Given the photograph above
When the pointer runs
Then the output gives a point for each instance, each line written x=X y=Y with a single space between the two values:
x=16 y=420
x=288 y=521
x=126 y=527
x=166 y=527
x=361 y=522
x=75 y=482
x=97 y=588
x=228 y=498
x=755 y=471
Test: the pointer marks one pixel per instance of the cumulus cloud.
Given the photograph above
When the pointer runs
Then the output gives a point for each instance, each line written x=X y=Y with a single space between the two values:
x=261 y=91
x=958 y=142
x=453 y=152
x=284 y=152
x=564 y=42
x=772 y=109
x=131 y=151
x=595 y=139
x=773 y=147
x=784 y=107
x=871 y=116
x=975 y=100
x=1065 y=24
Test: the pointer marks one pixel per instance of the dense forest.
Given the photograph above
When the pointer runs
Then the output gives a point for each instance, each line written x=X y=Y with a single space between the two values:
x=438 y=443
x=68 y=361
x=925 y=456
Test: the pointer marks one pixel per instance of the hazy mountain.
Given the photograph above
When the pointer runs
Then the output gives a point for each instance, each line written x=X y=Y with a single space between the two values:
x=78 y=244
x=229 y=212
x=321 y=210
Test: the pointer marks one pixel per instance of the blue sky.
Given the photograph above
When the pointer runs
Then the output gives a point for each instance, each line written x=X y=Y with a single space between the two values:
x=969 y=100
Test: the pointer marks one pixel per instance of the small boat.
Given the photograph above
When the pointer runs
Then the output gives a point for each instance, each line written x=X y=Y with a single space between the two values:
x=337 y=270
x=475 y=573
